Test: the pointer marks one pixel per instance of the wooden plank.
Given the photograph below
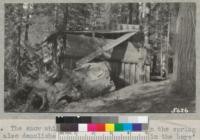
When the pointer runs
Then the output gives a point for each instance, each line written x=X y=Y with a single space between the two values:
x=103 y=32
x=107 y=47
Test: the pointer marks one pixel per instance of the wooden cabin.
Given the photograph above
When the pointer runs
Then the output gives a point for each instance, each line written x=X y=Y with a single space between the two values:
x=127 y=58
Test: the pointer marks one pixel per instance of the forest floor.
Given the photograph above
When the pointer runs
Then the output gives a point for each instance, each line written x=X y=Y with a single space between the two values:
x=151 y=97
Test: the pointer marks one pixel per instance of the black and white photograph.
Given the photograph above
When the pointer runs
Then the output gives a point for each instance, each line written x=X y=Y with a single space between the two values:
x=100 y=57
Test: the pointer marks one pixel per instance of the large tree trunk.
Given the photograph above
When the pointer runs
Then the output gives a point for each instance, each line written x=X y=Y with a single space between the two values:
x=130 y=13
x=19 y=54
x=137 y=14
x=19 y=30
x=27 y=27
x=185 y=57
x=63 y=48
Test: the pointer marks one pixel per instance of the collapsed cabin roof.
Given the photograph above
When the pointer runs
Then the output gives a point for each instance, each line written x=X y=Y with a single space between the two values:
x=82 y=45
x=79 y=45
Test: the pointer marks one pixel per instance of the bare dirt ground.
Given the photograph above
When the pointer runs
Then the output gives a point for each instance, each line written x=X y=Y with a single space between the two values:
x=152 y=97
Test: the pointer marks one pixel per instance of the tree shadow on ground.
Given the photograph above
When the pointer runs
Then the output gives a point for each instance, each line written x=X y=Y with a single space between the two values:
x=155 y=102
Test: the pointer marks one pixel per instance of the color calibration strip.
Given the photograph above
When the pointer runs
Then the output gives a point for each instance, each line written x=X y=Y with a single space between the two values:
x=102 y=124
x=102 y=119
x=119 y=127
